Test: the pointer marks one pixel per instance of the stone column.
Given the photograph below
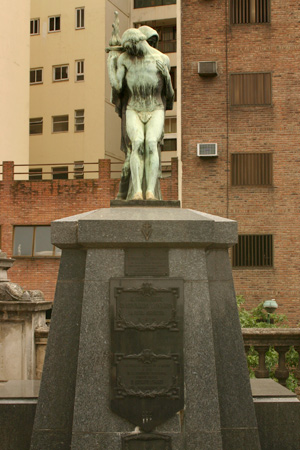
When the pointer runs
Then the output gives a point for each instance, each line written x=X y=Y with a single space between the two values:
x=21 y=312
x=181 y=255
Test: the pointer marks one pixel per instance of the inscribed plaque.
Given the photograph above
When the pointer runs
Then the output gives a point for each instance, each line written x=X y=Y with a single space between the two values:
x=147 y=349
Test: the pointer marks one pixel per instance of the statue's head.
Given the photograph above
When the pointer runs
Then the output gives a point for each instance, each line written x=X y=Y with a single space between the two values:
x=133 y=42
x=151 y=35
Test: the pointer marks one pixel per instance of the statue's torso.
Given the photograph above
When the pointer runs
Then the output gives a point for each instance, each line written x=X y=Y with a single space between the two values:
x=145 y=83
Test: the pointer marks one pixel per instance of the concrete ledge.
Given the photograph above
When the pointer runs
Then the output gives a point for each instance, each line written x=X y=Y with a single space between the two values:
x=155 y=226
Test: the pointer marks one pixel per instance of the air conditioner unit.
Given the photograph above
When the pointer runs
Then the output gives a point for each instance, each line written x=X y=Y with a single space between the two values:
x=207 y=68
x=205 y=150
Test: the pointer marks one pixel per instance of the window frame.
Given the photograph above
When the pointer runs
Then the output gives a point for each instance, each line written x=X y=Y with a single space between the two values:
x=60 y=122
x=60 y=170
x=80 y=18
x=76 y=116
x=55 y=30
x=78 y=170
x=249 y=169
x=35 y=174
x=55 y=254
x=159 y=3
x=250 y=22
x=35 y=70
x=38 y=120
x=61 y=67
x=162 y=43
x=33 y=21
x=79 y=73
x=246 y=105
x=166 y=139
x=238 y=256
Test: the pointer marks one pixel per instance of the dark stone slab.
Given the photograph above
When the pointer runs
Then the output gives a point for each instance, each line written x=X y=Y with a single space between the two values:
x=145 y=203
x=144 y=441
x=16 y=422
x=57 y=392
x=278 y=423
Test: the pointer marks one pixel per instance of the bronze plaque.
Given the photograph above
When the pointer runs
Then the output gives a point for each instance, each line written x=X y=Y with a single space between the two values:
x=147 y=375
x=143 y=441
x=147 y=349
x=146 y=308
x=147 y=262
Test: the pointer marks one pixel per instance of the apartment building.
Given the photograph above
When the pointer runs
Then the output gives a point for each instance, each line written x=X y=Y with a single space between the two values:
x=241 y=134
x=71 y=117
x=14 y=87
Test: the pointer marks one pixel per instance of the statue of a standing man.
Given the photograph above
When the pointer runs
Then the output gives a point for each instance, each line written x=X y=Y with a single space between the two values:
x=140 y=77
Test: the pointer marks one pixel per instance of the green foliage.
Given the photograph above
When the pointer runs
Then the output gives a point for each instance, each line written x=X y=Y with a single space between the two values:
x=258 y=318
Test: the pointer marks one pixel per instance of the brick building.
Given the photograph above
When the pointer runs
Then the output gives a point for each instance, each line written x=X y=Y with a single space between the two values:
x=249 y=107
x=29 y=207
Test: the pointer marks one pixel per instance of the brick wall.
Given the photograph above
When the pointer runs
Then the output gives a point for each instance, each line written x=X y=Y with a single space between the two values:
x=40 y=202
x=207 y=116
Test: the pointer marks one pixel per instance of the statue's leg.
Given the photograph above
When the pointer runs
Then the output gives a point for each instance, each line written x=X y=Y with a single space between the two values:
x=135 y=131
x=154 y=131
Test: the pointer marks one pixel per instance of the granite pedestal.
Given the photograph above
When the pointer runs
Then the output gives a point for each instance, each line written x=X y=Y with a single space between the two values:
x=74 y=408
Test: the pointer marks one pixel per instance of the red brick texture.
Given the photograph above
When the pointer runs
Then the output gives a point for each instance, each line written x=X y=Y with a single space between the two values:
x=42 y=201
x=207 y=116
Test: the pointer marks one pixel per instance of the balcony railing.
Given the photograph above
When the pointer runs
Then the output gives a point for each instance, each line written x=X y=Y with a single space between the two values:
x=70 y=170
x=281 y=339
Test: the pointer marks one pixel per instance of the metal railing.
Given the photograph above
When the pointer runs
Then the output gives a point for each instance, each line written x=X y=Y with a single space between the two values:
x=69 y=170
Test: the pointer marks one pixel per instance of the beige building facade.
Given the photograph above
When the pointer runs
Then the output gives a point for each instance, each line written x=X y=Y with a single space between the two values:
x=14 y=88
x=71 y=117
x=72 y=120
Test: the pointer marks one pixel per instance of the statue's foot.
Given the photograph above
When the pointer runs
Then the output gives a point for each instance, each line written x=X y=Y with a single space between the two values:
x=138 y=196
x=150 y=196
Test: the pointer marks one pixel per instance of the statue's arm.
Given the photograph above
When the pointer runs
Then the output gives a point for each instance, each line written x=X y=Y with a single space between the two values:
x=165 y=70
x=116 y=71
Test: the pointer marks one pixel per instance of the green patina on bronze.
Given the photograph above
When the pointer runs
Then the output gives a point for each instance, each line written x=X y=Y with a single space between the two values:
x=141 y=92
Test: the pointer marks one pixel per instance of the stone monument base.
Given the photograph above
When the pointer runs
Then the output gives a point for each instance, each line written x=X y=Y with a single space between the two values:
x=145 y=336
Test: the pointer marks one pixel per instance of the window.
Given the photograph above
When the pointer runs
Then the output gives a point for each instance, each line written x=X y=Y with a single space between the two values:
x=170 y=125
x=79 y=170
x=250 y=11
x=79 y=68
x=33 y=241
x=34 y=26
x=36 y=125
x=167 y=38
x=253 y=250
x=36 y=76
x=60 y=173
x=251 y=169
x=79 y=120
x=35 y=174
x=146 y=3
x=60 y=123
x=54 y=24
x=61 y=73
x=250 y=89
x=170 y=145
x=173 y=74
x=79 y=18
